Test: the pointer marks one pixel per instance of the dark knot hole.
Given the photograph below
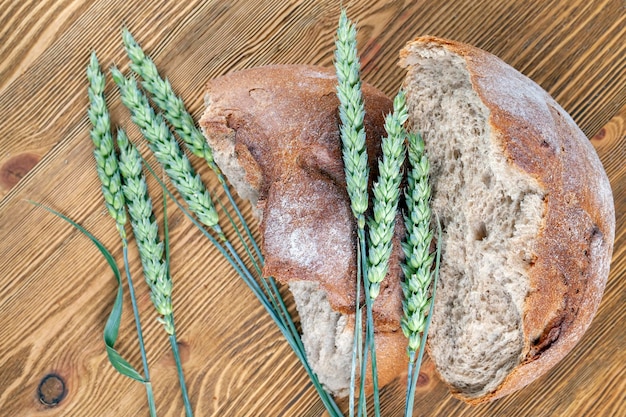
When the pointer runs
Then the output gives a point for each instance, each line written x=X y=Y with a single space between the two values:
x=51 y=390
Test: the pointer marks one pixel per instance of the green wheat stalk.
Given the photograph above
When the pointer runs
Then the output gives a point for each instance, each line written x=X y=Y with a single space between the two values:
x=104 y=152
x=417 y=266
x=166 y=151
x=274 y=304
x=354 y=153
x=165 y=147
x=110 y=178
x=419 y=260
x=151 y=249
x=146 y=119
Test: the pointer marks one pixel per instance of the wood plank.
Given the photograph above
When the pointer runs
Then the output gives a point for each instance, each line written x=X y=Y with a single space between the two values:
x=56 y=290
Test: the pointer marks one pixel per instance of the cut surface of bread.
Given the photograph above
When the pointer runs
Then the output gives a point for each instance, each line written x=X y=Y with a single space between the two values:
x=327 y=336
x=523 y=236
x=491 y=214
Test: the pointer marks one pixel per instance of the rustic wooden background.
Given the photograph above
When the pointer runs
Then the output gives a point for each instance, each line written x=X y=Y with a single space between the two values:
x=56 y=290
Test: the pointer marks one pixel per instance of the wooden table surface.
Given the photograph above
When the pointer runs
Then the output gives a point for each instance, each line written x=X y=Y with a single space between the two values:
x=56 y=290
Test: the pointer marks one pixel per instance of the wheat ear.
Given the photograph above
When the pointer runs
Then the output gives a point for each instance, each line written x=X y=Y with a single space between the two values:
x=151 y=249
x=354 y=152
x=418 y=258
x=352 y=114
x=386 y=195
x=168 y=153
x=176 y=113
x=104 y=152
x=146 y=231
x=164 y=97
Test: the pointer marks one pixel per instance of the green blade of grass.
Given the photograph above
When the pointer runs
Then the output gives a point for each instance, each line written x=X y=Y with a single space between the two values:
x=111 y=329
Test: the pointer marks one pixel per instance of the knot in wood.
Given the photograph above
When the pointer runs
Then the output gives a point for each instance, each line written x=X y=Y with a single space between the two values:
x=51 y=390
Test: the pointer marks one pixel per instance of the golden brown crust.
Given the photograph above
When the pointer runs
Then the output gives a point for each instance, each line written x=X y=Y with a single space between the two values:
x=284 y=123
x=574 y=246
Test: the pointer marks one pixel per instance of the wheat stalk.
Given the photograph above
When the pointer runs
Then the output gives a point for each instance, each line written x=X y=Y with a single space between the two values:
x=176 y=113
x=151 y=249
x=386 y=195
x=108 y=170
x=168 y=153
x=354 y=153
x=417 y=267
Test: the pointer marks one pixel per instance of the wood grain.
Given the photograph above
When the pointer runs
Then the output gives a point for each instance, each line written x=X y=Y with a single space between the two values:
x=57 y=291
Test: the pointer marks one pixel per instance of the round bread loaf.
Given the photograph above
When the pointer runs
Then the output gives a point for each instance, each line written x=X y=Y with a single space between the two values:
x=526 y=210
x=527 y=213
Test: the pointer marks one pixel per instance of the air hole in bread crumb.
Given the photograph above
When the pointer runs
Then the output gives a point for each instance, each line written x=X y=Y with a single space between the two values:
x=480 y=233
x=487 y=180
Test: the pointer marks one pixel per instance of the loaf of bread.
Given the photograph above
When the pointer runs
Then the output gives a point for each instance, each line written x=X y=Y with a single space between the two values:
x=275 y=133
x=526 y=210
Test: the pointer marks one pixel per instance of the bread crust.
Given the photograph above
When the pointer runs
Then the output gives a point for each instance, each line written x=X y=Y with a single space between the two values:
x=575 y=242
x=281 y=124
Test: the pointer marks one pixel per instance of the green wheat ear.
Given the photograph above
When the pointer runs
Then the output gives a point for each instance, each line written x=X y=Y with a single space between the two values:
x=386 y=195
x=164 y=97
x=166 y=149
x=418 y=259
x=146 y=231
x=352 y=114
x=104 y=152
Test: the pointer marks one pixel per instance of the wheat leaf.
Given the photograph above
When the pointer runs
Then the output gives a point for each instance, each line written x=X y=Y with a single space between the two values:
x=112 y=326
